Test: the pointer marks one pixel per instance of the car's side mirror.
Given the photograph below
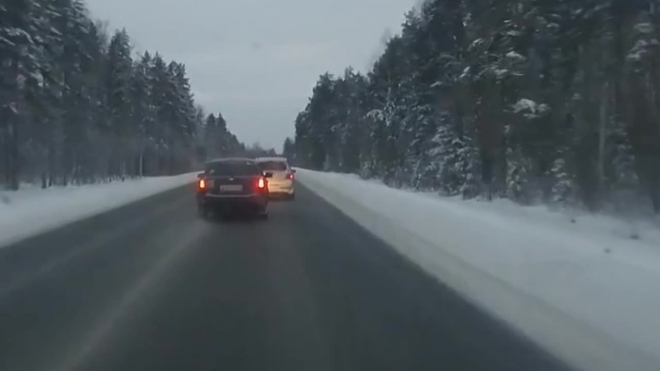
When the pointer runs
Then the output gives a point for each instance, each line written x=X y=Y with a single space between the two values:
x=268 y=174
x=293 y=171
x=200 y=175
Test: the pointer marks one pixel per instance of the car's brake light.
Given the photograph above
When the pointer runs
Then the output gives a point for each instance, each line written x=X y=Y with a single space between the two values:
x=261 y=184
x=290 y=176
x=202 y=184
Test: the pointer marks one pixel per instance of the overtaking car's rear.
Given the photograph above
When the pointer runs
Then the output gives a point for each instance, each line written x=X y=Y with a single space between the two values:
x=283 y=181
x=232 y=185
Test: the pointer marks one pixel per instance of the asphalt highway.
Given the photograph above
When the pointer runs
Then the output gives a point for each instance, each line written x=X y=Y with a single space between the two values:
x=151 y=286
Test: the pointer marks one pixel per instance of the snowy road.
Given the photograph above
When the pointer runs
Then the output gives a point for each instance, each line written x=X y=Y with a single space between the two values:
x=150 y=286
x=550 y=278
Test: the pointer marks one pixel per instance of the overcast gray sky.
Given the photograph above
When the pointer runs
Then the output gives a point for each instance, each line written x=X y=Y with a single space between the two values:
x=256 y=61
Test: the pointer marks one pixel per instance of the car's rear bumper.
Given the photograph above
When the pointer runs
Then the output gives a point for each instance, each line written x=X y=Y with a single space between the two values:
x=286 y=187
x=253 y=201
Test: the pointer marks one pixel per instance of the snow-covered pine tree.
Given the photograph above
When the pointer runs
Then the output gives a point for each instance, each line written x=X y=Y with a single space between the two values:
x=74 y=107
x=117 y=78
x=142 y=113
x=478 y=65
x=19 y=58
x=289 y=150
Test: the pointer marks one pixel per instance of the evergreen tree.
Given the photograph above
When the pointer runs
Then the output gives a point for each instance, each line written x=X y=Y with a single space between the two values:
x=526 y=99
x=289 y=150
x=76 y=106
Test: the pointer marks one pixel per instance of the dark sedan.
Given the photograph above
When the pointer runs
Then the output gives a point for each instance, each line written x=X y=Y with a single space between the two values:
x=233 y=185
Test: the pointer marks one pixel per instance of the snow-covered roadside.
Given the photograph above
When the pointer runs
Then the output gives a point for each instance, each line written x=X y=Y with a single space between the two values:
x=33 y=210
x=589 y=296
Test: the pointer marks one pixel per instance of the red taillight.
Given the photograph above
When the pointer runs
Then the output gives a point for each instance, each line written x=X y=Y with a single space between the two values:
x=202 y=184
x=290 y=176
x=261 y=184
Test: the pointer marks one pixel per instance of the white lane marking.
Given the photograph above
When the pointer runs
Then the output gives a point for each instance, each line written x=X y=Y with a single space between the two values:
x=109 y=321
x=21 y=281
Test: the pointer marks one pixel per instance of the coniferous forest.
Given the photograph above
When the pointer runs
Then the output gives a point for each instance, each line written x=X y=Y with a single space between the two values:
x=78 y=106
x=533 y=100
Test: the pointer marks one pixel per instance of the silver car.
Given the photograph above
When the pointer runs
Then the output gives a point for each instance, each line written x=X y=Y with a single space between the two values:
x=283 y=181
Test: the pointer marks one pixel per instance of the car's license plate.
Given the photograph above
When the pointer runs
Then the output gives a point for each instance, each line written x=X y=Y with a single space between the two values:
x=231 y=188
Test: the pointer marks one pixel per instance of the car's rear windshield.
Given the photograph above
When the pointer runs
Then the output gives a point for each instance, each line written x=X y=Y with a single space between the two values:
x=238 y=168
x=272 y=165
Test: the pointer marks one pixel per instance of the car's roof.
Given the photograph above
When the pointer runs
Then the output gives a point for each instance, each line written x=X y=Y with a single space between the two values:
x=230 y=159
x=260 y=159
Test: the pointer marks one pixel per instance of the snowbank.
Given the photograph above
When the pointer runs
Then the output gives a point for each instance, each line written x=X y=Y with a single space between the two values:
x=585 y=291
x=33 y=210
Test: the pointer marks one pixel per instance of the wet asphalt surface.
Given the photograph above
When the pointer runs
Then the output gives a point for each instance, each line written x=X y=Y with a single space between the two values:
x=152 y=286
